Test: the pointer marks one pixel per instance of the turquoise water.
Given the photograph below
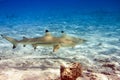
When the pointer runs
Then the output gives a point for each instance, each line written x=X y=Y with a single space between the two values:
x=96 y=21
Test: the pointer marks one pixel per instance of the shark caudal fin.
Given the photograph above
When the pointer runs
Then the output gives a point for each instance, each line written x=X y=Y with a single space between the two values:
x=13 y=41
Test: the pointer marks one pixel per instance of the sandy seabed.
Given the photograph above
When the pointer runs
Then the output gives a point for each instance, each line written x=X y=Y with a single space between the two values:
x=48 y=68
x=99 y=57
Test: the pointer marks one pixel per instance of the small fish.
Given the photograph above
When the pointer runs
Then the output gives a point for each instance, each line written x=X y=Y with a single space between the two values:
x=47 y=40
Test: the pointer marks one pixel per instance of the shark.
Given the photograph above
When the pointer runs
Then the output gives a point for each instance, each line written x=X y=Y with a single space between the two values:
x=47 y=40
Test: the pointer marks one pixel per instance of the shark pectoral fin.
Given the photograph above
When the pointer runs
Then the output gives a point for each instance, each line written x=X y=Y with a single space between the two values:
x=34 y=46
x=56 y=47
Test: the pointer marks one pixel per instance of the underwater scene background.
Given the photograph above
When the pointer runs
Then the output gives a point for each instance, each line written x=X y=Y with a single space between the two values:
x=97 y=21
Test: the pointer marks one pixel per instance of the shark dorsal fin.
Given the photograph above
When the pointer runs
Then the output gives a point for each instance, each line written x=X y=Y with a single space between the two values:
x=47 y=33
x=63 y=34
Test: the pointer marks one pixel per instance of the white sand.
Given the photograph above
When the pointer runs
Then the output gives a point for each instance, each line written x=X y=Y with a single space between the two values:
x=24 y=63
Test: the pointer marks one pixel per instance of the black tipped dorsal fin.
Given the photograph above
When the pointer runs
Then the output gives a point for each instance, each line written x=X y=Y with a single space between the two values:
x=63 y=34
x=47 y=33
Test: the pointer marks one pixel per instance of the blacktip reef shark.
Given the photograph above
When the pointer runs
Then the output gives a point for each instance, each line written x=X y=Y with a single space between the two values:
x=47 y=40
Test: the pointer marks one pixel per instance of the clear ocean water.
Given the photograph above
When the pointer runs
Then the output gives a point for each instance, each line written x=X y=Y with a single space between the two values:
x=97 y=21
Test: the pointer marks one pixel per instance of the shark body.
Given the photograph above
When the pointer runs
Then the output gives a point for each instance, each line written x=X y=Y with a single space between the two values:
x=47 y=40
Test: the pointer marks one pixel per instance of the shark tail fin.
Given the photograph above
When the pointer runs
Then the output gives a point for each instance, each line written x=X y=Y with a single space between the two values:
x=13 y=41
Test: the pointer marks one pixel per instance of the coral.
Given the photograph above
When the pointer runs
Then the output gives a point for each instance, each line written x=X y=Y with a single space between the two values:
x=72 y=72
